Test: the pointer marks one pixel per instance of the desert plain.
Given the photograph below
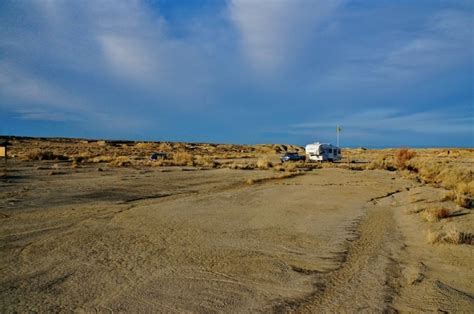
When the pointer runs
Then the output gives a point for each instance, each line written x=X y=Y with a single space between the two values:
x=91 y=225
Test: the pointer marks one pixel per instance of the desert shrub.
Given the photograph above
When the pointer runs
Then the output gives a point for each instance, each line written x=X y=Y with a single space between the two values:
x=453 y=177
x=402 y=157
x=452 y=236
x=464 y=194
x=290 y=166
x=205 y=161
x=183 y=159
x=383 y=162
x=38 y=154
x=145 y=146
x=435 y=214
x=279 y=167
x=448 y=196
x=264 y=163
x=433 y=237
x=458 y=237
x=121 y=161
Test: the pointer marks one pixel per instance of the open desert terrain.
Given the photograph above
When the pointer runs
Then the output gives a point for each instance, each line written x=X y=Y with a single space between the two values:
x=96 y=226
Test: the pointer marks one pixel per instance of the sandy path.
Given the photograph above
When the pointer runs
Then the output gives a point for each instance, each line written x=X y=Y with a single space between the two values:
x=202 y=241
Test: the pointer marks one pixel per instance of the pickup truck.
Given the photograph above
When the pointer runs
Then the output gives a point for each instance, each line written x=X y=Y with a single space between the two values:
x=292 y=157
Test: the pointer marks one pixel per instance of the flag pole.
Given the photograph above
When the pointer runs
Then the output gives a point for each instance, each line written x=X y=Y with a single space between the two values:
x=338 y=130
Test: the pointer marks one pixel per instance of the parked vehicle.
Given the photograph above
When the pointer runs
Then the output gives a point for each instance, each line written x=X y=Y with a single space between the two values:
x=323 y=152
x=158 y=155
x=292 y=157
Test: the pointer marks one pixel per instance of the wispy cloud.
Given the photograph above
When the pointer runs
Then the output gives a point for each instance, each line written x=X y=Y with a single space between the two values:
x=367 y=126
x=441 y=43
x=274 y=32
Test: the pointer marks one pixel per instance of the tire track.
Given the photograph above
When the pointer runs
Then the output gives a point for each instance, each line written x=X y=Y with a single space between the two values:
x=368 y=276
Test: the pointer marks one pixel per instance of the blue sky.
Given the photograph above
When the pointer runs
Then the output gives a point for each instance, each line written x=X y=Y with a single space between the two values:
x=392 y=73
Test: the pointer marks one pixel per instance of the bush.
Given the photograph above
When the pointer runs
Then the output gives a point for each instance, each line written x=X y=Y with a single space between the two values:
x=434 y=215
x=452 y=237
x=38 y=154
x=183 y=159
x=264 y=164
x=464 y=194
x=121 y=161
x=205 y=161
x=402 y=157
x=384 y=163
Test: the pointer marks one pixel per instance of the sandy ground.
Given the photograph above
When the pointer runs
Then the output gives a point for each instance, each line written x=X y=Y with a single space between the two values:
x=172 y=240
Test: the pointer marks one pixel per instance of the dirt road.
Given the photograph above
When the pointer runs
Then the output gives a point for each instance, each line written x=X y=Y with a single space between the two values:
x=205 y=241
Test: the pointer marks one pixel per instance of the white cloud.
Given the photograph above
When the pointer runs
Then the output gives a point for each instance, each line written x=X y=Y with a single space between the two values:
x=443 y=41
x=129 y=57
x=272 y=32
x=22 y=88
x=380 y=120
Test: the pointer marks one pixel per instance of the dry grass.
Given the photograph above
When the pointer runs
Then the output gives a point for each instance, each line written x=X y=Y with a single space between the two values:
x=455 y=177
x=121 y=161
x=293 y=166
x=39 y=154
x=435 y=214
x=464 y=194
x=264 y=164
x=402 y=157
x=242 y=166
x=383 y=162
x=183 y=159
x=452 y=236
x=451 y=169
x=146 y=146
x=205 y=161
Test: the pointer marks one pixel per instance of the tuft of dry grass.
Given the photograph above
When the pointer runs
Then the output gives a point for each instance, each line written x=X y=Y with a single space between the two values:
x=458 y=237
x=448 y=196
x=433 y=237
x=121 y=161
x=145 y=145
x=264 y=164
x=435 y=214
x=402 y=157
x=452 y=236
x=290 y=166
x=205 y=161
x=464 y=194
x=383 y=162
x=183 y=159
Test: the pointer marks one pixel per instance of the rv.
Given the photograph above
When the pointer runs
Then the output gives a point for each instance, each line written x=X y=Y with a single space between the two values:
x=323 y=152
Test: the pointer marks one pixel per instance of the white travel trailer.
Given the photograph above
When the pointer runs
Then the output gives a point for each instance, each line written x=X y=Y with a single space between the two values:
x=323 y=152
